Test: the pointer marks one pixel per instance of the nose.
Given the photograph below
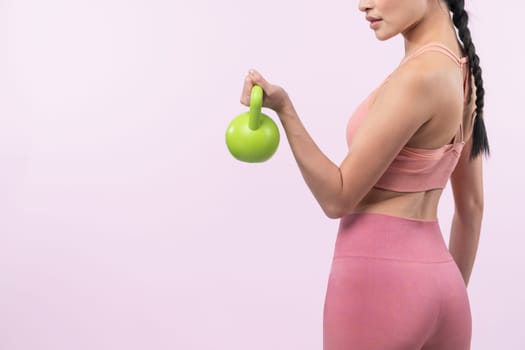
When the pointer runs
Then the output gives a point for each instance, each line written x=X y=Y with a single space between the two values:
x=365 y=5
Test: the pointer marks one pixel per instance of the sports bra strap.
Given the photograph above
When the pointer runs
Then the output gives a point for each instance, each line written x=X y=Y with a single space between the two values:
x=440 y=48
x=460 y=61
x=460 y=134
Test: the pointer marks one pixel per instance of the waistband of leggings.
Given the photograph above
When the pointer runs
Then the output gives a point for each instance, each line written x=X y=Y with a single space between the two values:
x=390 y=237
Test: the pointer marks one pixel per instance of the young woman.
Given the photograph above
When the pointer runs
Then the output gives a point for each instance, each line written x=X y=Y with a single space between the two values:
x=393 y=282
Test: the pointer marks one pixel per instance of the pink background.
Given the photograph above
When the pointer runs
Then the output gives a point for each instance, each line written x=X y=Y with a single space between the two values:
x=126 y=224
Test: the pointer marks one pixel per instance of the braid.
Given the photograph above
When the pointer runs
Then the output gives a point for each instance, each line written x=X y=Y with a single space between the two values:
x=479 y=133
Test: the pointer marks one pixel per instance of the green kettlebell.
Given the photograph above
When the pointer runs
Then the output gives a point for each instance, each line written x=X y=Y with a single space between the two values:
x=252 y=136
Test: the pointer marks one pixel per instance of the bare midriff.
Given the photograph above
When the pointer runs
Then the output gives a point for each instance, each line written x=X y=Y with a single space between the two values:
x=415 y=205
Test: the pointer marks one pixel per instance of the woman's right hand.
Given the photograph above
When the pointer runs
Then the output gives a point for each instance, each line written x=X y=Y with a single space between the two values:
x=275 y=97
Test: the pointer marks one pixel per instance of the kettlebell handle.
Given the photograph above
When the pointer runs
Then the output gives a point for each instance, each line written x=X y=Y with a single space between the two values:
x=256 y=101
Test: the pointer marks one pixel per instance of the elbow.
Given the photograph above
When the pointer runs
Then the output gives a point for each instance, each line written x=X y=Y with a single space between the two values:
x=334 y=210
x=470 y=209
x=333 y=214
x=338 y=202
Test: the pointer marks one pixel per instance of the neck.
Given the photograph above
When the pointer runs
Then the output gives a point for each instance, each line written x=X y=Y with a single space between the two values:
x=435 y=26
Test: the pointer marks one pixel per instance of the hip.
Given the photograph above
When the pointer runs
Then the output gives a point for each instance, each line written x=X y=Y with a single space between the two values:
x=383 y=236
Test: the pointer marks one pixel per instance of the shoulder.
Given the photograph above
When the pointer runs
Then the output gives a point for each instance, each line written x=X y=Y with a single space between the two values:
x=427 y=81
x=411 y=89
x=427 y=72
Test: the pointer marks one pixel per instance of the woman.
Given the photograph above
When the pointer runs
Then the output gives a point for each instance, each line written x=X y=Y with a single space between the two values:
x=393 y=283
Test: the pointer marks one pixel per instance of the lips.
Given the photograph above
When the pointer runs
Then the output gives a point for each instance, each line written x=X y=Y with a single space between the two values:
x=372 y=19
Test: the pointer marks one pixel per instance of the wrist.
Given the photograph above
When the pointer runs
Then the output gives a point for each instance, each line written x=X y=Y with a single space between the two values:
x=286 y=110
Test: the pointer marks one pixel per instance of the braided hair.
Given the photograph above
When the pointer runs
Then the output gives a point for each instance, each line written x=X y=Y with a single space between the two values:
x=479 y=133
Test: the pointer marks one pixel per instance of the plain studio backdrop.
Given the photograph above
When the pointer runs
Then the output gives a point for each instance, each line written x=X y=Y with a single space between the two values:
x=126 y=224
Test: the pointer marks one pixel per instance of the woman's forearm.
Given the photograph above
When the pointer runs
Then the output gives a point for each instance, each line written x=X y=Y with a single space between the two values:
x=322 y=176
x=464 y=239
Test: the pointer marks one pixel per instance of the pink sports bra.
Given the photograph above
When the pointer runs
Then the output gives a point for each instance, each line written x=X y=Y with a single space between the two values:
x=417 y=169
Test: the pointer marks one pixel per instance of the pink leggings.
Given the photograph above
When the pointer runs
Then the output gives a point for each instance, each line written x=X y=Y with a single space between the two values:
x=393 y=285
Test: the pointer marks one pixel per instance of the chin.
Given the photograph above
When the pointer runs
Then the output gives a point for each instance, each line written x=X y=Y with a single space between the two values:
x=385 y=37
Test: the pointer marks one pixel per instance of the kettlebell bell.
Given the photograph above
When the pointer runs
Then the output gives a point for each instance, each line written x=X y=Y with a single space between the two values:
x=252 y=136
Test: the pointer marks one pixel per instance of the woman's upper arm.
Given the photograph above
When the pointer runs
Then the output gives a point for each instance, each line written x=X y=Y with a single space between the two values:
x=467 y=182
x=406 y=102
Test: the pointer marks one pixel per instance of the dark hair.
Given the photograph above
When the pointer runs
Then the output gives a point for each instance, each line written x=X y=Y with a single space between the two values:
x=479 y=133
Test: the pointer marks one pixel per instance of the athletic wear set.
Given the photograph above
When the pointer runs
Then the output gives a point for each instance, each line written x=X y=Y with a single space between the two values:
x=393 y=284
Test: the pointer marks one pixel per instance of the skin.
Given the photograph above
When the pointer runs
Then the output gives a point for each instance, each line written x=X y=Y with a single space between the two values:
x=421 y=106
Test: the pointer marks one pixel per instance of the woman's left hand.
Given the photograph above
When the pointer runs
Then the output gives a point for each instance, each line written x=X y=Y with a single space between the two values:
x=275 y=97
